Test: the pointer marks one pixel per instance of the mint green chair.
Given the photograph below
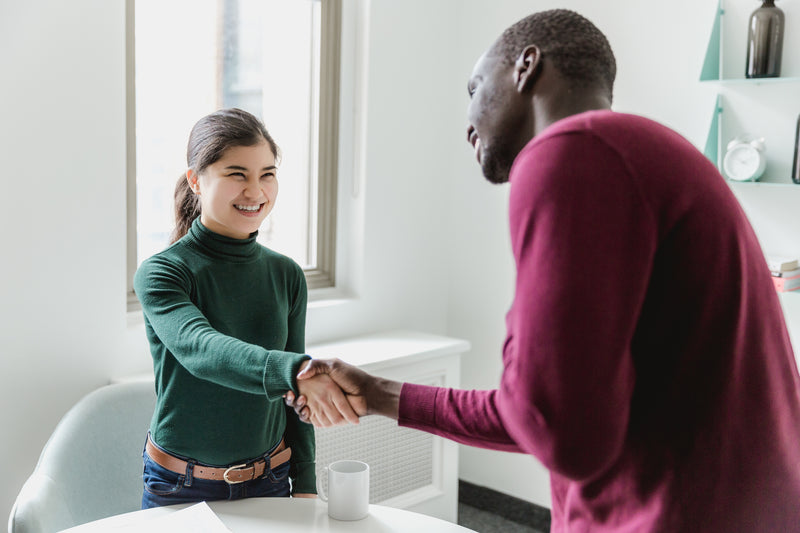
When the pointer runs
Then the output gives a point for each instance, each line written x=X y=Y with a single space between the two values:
x=91 y=467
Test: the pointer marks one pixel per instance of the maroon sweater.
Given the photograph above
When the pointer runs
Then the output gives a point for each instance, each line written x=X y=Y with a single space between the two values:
x=647 y=362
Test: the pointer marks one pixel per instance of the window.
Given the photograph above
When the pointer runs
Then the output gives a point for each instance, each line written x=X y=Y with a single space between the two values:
x=278 y=59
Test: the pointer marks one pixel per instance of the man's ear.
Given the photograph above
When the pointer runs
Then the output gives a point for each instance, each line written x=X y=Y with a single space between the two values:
x=191 y=178
x=527 y=67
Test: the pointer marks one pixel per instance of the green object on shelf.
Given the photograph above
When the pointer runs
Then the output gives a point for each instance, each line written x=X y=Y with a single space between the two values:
x=711 y=150
x=711 y=67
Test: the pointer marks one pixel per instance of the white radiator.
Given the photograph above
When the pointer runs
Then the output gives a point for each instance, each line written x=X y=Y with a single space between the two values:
x=409 y=469
x=401 y=460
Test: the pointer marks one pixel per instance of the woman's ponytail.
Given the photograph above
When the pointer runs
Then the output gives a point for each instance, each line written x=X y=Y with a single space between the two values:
x=187 y=208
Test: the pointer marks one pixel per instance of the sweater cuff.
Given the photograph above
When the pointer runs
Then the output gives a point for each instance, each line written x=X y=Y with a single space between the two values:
x=417 y=405
x=280 y=373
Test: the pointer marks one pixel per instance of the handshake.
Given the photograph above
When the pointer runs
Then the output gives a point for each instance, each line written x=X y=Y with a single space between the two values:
x=333 y=393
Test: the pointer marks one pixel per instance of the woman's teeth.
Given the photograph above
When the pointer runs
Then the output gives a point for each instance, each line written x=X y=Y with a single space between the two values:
x=250 y=208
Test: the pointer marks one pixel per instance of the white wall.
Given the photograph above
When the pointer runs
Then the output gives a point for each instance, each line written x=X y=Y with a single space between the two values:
x=62 y=146
x=62 y=216
x=434 y=252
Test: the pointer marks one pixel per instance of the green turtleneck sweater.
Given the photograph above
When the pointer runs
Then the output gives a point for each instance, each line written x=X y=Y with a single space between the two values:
x=226 y=323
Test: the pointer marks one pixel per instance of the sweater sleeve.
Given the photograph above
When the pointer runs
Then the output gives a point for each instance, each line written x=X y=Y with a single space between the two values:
x=467 y=417
x=583 y=240
x=163 y=288
x=300 y=436
x=583 y=244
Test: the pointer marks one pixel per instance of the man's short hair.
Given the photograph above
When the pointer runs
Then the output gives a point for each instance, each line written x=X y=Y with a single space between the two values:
x=575 y=46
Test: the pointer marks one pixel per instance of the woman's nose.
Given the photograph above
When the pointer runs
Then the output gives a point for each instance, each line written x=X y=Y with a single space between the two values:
x=251 y=189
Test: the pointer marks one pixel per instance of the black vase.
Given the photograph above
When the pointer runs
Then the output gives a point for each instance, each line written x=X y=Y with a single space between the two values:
x=765 y=41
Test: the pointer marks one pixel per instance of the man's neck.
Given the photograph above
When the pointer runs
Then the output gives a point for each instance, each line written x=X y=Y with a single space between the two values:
x=559 y=105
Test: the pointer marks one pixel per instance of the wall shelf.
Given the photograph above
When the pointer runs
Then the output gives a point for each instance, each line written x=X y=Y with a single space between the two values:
x=754 y=81
x=713 y=68
x=713 y=149
x=762 y=107
x=716 y=142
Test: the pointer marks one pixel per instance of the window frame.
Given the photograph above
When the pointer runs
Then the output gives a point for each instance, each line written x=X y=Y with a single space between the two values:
x=324 y=193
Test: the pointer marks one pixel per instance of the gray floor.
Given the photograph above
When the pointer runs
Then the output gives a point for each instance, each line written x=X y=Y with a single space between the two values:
x=487 y=511
x=487 y=522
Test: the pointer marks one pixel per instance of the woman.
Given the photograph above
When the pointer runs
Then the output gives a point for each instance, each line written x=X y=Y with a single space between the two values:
x=225 y=318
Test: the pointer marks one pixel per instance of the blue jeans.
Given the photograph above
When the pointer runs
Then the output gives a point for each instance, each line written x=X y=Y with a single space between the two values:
x=165 y=487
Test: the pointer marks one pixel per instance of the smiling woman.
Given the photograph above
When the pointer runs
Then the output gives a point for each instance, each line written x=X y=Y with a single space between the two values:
x=225 y=320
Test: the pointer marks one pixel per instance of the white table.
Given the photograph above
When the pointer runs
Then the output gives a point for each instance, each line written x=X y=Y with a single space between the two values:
x=287 y=515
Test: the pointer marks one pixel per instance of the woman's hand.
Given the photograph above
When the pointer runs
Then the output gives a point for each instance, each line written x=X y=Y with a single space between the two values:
x=299 y=405
x=325 y=401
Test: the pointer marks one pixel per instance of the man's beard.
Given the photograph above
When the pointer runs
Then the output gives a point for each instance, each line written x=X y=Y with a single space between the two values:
x=496 y=166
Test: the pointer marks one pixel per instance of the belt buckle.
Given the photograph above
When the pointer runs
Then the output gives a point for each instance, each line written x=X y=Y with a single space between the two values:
x=235 y=467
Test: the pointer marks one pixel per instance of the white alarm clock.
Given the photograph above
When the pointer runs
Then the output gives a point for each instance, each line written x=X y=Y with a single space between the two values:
x=745 y=159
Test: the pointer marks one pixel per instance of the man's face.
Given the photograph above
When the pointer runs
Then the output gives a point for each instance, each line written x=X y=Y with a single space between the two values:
x=495 y=116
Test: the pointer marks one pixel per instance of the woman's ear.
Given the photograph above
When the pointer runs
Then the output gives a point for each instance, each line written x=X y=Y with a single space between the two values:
x=194 y=182
x=527 y=67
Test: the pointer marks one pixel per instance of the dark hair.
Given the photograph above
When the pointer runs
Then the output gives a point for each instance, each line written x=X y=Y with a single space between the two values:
x=576 y=47
x=208 y=141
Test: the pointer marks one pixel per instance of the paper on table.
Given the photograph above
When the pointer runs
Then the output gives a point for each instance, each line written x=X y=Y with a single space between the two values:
x=198 y=518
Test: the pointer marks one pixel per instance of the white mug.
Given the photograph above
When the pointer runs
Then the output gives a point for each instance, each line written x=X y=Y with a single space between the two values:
x=348 y=490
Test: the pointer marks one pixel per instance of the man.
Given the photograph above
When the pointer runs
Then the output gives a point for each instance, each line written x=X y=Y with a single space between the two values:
x=647 y=362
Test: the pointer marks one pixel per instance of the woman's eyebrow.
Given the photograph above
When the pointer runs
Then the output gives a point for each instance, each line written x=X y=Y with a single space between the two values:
x=237 y=167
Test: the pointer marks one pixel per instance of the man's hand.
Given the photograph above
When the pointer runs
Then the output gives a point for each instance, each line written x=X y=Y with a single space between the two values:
x=325 y=400
x=365 y=393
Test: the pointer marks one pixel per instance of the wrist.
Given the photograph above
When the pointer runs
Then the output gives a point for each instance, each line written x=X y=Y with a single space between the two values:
x=383 y=398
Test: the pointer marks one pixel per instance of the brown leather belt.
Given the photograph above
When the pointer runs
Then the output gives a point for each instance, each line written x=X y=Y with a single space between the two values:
x=231 y=475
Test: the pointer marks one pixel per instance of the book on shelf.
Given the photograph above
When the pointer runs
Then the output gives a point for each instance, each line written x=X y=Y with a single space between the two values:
x=786 y=273
x=786 y=284
x=780 y=263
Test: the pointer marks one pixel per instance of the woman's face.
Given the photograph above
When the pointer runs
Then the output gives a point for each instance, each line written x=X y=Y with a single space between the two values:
x=238 y=191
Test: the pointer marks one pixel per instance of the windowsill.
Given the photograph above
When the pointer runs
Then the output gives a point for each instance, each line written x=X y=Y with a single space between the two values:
x=331 y=297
